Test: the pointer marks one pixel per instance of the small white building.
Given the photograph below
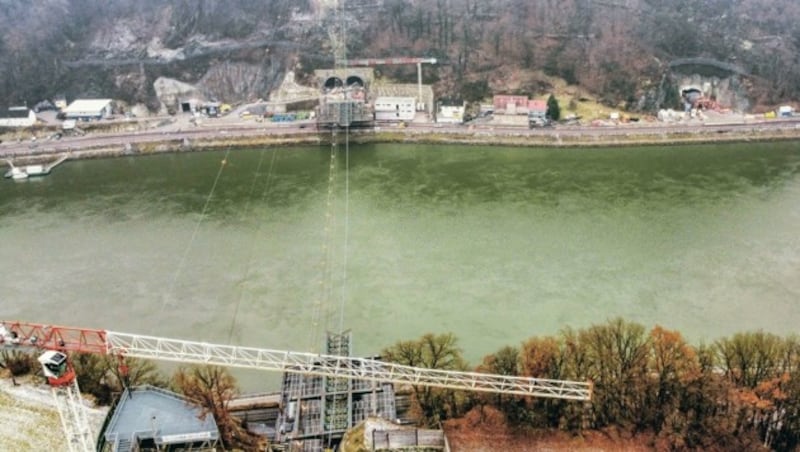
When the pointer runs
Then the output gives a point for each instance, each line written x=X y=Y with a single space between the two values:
x=68 y=124
x=785 y=111
x=60 y=101
x=17 y=117
x=88 y=109
x=395 y=108
x=451 y=114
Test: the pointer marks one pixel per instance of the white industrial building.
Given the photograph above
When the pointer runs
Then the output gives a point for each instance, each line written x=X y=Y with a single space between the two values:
x=89 y=109
x=395 y=108
x=17 y=117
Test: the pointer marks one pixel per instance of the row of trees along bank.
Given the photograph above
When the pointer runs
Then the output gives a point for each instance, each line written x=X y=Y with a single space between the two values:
x=738 y=393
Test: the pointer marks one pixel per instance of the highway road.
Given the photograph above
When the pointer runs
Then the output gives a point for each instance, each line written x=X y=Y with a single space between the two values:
x=220 y=130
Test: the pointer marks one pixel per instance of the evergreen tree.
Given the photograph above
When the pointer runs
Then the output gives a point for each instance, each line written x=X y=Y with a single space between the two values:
x=553 y=109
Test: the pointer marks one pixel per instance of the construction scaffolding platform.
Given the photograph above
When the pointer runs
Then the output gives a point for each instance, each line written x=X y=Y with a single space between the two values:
x=344 y=113
x=316 y=411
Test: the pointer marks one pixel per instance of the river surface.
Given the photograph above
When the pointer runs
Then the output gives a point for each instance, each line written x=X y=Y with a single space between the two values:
x=493 y=244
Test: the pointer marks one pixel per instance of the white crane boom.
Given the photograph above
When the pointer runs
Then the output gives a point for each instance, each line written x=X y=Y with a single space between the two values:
x=389 y=61
x=151 y=347
x=339 y=367
x=74 y=421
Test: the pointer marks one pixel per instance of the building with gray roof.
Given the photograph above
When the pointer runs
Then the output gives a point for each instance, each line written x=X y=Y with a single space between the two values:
x=149 y=418
x=88 y=109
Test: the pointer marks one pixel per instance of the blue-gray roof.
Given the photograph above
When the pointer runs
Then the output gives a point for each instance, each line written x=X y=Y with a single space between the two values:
x=147 y=412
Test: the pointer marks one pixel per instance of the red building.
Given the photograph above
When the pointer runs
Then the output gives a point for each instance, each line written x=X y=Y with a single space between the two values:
x=510 y=105
x=537 y=106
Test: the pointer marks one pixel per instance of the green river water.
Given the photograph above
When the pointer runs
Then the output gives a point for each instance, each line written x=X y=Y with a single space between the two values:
x=493 y=244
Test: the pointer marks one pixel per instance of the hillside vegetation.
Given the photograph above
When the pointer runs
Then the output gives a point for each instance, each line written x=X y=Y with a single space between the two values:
x=619 y=50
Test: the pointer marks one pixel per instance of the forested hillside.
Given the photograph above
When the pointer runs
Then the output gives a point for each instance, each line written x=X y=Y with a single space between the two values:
x=620 y=50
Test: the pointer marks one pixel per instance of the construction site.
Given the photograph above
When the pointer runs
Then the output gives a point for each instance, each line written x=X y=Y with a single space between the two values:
x=351 y=97
x=322 y=395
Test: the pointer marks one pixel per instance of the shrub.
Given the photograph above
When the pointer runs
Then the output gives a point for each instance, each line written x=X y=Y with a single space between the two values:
x=17 y=362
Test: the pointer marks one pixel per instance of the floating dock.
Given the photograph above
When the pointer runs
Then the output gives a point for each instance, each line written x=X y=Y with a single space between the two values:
x=24 y=172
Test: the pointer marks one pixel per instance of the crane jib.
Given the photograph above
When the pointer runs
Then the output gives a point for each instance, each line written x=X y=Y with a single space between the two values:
x=151 y=347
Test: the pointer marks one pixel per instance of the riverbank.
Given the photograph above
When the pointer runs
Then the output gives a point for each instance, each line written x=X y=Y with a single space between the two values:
x=217 y=137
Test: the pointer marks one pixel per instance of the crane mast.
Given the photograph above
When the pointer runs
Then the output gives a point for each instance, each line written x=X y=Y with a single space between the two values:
x=74 y=419
x=66 y=339
x=69 y=404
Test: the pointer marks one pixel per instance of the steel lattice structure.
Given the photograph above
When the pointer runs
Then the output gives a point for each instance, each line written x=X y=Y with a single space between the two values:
x=151 y=347
x=389 y=61
x=73 y=417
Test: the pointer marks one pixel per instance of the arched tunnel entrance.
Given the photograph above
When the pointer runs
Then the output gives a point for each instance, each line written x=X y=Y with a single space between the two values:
x=355 y=80
x=332 y=82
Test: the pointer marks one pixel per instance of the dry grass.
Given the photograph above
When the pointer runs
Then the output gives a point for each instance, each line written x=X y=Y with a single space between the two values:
x=585 y=104
x=26 y=422
x=488 y=431
x=28 y=418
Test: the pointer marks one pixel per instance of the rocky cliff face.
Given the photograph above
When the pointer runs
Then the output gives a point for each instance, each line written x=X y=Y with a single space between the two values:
x=231 y=50
x=730 y=92
x=235 y=50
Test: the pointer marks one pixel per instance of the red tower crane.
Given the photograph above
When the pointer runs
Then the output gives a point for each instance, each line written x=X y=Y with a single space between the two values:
x=67 y=395
x=56 y=341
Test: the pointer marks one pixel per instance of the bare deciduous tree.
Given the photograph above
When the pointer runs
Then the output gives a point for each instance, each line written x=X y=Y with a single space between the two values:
x=213 y=387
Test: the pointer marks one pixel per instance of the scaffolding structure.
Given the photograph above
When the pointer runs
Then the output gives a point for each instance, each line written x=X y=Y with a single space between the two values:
x=74 y=419
x=316 y=411
x=344 y=112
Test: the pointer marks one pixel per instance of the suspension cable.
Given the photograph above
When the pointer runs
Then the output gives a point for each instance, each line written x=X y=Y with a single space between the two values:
x=182 y=262
x=319 y=311
x=346 y=225
x=251 y=254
